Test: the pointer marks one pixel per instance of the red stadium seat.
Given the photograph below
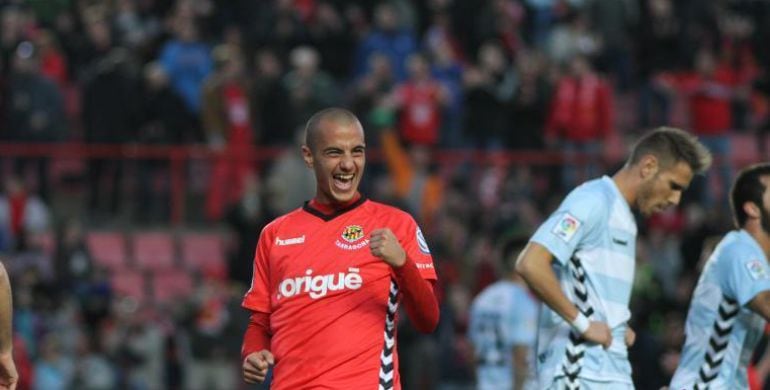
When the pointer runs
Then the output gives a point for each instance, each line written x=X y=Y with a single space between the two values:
x=129 y=283
x=204 y=252
x=108 y=249
x=154 y=251
x=171 y=284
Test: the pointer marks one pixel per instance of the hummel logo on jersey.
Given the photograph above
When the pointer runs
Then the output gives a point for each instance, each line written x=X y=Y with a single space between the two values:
x=619 y=241
x=319 y=285
x=290 y=241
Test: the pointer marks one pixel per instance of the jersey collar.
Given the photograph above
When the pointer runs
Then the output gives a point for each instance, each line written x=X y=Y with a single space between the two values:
x=328 y=216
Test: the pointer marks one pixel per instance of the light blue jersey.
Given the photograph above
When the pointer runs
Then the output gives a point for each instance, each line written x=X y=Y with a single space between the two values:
x=721 y=331
x=592 y=236
x=502 y=316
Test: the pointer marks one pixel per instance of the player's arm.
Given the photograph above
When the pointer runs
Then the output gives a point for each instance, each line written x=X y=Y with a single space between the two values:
x=419 y=300
x=534 y=265
x=520 y=366
x=255 y=350
x=760 y=304
x=8 y=374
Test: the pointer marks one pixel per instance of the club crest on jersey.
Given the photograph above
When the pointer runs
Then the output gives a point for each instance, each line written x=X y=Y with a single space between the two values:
x=353 y=233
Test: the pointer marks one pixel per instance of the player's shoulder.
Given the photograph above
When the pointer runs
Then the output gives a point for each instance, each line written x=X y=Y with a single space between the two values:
x=590 y=198
x=738 y=245
x=290 y=217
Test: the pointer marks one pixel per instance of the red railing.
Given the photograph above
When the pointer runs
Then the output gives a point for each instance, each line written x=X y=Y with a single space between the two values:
x=178 y=156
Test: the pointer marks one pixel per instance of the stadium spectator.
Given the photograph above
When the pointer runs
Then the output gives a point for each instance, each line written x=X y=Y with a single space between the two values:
x=420 y=101
x=489 y=86
x=244 y=219
x=388 y=38
x=187 y=61
x=228 y=123
x=529 y=105
x=163 y=120
x=310 y=87
x=580 y=118
x=111 y=113
x=273 y=109
x=370 y=92
x=591 y=238
x=710 y=91
x=390 y=262
x=35 y=112
x=22 y=215
x=284 y=195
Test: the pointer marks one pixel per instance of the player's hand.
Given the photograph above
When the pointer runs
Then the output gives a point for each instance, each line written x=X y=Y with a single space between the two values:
x=8 y=374
x=599 y=333
x=255 y=366
x=630 y=336
x=384 y=244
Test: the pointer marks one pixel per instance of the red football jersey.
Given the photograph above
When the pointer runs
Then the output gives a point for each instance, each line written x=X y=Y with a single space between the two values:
x=333 y=305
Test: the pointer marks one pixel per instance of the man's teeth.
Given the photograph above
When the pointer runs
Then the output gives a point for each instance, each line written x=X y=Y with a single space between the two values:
x=343 y=177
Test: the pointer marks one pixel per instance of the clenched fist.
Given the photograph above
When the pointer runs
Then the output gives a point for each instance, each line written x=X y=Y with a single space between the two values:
x=255 y=366
x=384 y=244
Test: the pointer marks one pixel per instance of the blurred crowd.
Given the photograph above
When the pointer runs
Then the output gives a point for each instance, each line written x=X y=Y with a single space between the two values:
x=580 y=78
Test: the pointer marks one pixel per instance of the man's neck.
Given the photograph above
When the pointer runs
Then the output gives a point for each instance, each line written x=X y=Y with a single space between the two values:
x=760 y=236
x=330 y=208
x=626 y=184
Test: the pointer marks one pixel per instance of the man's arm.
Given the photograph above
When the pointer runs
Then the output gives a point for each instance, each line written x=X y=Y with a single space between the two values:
x=8 y=374
x=255 y=350
x=760 y=304
x=520 y=366
x=420 y=301
x=534 y=265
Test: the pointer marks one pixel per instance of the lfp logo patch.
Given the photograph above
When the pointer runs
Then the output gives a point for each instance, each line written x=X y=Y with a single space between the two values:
x=566 y=227
x=756 y=270
x=353 y=233
x=421 y=243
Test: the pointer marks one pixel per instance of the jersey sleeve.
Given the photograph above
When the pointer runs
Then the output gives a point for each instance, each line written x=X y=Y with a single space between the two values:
x=570 y=224
x=416 y=248
x=744 y=274
x=258 y=296
x=523 y=323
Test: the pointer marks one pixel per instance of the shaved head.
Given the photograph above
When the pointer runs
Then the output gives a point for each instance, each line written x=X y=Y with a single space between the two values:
x=334 y=115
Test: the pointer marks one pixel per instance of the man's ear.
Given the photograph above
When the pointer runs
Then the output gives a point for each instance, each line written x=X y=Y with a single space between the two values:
x=648 y=166
x=307 y=155
x=751 y=210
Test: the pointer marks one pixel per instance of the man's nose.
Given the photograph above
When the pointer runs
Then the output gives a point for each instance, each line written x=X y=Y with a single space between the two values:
x=675 y=197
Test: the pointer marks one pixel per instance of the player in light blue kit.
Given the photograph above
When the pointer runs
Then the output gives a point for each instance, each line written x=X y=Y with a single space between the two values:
x=503 y=326
x=732 y=300
x=580 y=262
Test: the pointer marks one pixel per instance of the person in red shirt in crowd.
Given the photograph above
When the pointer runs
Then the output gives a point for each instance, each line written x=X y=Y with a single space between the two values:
x=227 y=118
x=580 y=117
x=329 y=276
x=420 y=100
x=710 y=92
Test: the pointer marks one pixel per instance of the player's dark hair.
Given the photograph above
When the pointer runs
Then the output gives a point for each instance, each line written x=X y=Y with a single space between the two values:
x=670 y=146
x=512 y=247
x=747 y=188
x=335 y=114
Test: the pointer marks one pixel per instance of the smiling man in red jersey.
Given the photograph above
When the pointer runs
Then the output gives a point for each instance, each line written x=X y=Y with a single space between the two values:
x=329 y=276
